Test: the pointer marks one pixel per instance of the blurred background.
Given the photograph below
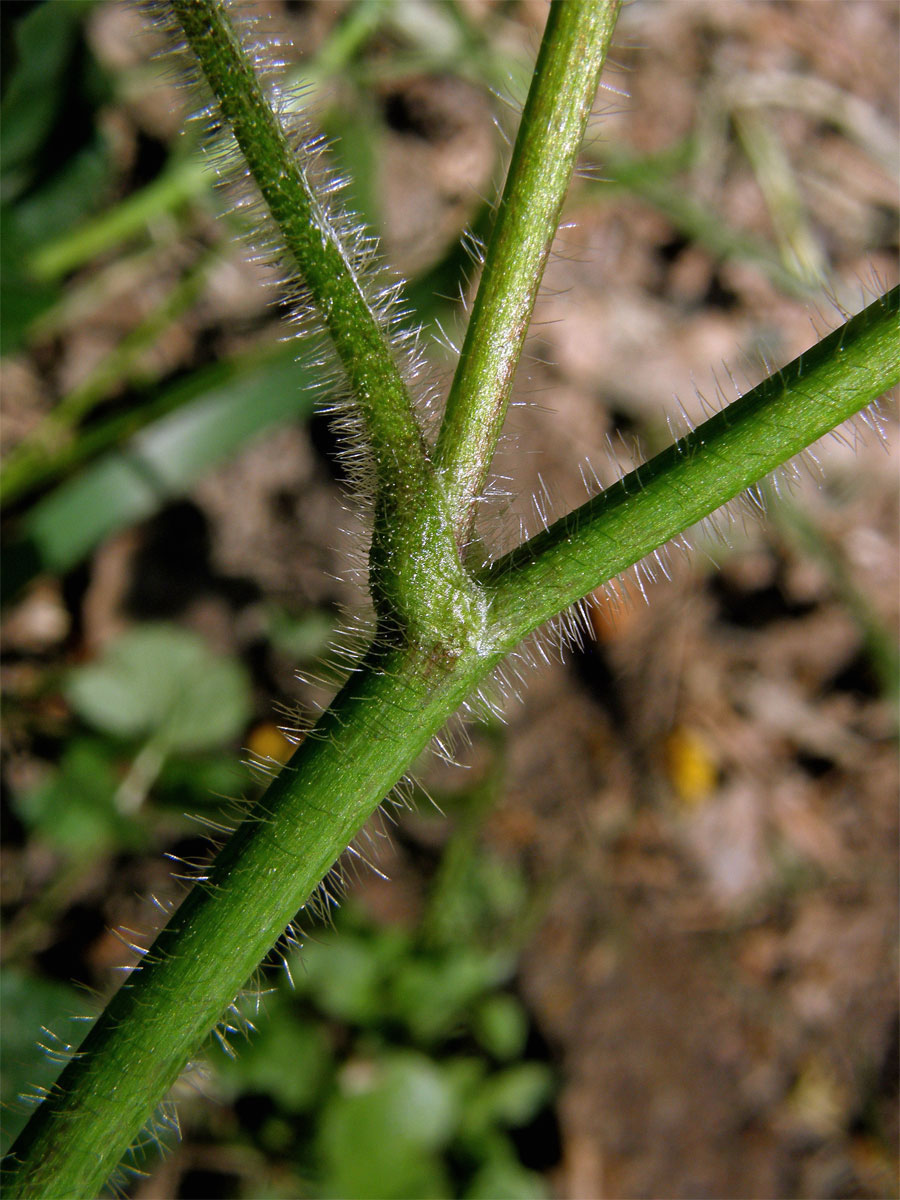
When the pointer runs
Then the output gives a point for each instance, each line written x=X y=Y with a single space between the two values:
x=648 y=945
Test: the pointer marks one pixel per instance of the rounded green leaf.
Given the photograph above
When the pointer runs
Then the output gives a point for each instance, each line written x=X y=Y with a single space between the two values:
x=287 y=1058
x=164 y=683
x=504 y=1179
x=501 y=1026
x=380 y=1133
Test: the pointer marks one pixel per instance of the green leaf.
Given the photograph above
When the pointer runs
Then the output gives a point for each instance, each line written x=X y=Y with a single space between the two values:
x=22 y=298
x=502 y=1178
x=74 y=810
x=344 y=978
x=358 y=138
x=54 y=158
x=509 y=1098
x=164 y=683
x=287 y=1059
x=501 y=1026
x=346 y=975
x=45 y=39
x=433 y=995
x=28 y=1003
x=68 y=196
x=199 y=781
x=379 y=1133
x=301 y=637
x=229 y=405
x=54 y=161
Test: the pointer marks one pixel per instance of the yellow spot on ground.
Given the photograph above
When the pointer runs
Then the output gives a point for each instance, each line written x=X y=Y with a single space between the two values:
x=689 y=765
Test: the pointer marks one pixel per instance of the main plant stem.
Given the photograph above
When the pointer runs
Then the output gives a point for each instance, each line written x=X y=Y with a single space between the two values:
x=378 y=724
x=224 y=928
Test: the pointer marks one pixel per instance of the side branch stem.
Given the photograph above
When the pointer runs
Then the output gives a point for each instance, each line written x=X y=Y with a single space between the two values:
x=559 y=103
x=700 y=472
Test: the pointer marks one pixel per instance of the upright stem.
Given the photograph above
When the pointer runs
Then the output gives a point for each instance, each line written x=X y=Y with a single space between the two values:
x=416 y=578
x=307 y=229
x=556 y=113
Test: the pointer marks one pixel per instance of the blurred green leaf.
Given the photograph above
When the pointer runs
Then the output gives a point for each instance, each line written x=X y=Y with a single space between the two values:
x=501 y=1026
x=164 y=683
x=28 y=1005
x=379 y=1134
x=199 y=781
x=517 y=1094
x=223 y=409
x=22 y=298
x=346 y=975
x=287 y=1058
x=502 y=1178
x=68 y=196
x=302 y=637
x=477 y=896
x=465 y=1076
x=508 y=1098
x=357 y=137
x=54 y=159
x=393 y=1119
x=432 y=995
x=45 y=41
x=75 y=810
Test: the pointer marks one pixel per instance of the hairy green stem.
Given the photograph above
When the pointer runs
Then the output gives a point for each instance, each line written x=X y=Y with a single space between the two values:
x=377 y=726
x=559 y=103
x=416 y=578
x=187 y=179
x=700 y=472
x=325 y=265
x=215 y=940
x=441 y=629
